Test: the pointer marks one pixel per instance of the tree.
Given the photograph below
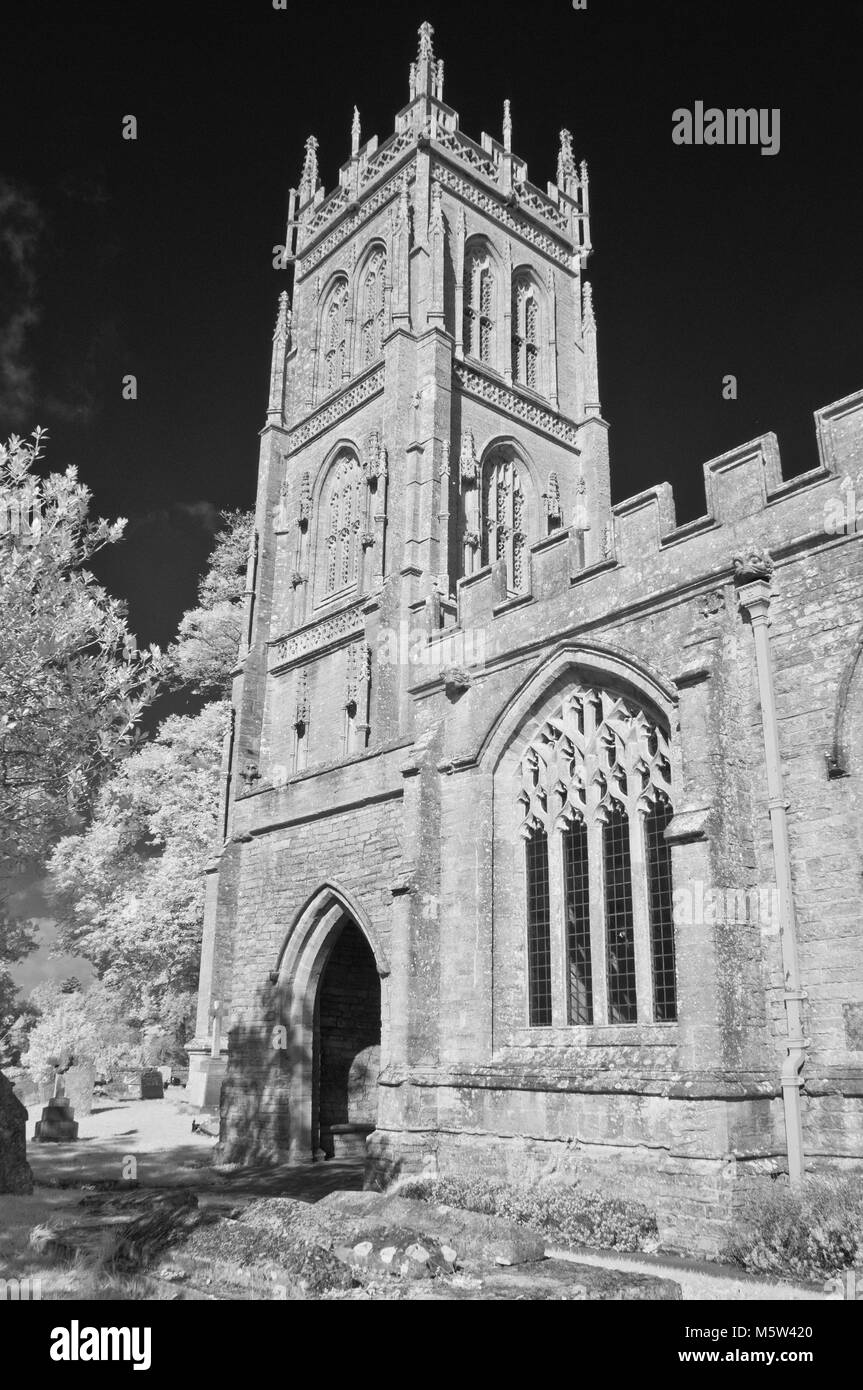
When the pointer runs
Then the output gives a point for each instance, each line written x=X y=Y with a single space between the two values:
x=208 y=640
x=76 y=1028
x=17 y=939
x=129 y=891
x=73 y=683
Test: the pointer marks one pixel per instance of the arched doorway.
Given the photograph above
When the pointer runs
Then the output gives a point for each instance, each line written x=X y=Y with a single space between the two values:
x=335 y=1017
x=346 y=1046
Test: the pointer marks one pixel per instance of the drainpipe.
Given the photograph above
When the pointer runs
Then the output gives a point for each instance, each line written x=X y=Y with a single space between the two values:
x=753 y=575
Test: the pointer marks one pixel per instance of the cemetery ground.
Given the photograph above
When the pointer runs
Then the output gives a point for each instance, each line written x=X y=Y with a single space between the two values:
x=185 y=1228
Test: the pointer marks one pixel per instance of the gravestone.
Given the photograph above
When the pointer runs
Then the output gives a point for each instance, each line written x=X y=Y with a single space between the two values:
x=78 y=1083
x=15 y=1175
x=152 y=1087
x=58 y=1124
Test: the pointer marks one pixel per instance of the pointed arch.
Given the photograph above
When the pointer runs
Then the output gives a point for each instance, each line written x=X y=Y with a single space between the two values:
x=529 y=330
x=592 y=663
x=342 y=505
x=302 y=960
x=371 y=305
x=332 y=336
x=482 y=302
x=508 y=512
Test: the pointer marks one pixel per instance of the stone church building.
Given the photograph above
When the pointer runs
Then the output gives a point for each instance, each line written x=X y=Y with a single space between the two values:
x=543 y=816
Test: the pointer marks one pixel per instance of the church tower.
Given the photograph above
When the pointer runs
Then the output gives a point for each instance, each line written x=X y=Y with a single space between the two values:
x=487 y=727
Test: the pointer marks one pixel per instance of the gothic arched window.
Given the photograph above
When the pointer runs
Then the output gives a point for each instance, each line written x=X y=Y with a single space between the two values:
x=372 y=307
x=504 y=520
x=479 y=306
x=333 y=330
x=342 y=516
x=525 y=332
x=594 y=788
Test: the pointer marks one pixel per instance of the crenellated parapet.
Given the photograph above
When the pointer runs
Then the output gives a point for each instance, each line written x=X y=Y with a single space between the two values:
x=749 y=502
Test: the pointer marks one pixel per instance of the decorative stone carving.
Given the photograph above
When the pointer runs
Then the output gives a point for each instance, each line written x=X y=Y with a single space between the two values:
x=305 y=500
x=456 y=679
x=755 y=563
x=301 y=713
x=357 y=671
x=711 y=603
x=515 y=404
x=468 y=461
x=318 y=634
x=343 y=404
x=350 y=224
x=553 y=498
x=374 y=457
x=597 y=751
x=560 y=251
x=250 y=774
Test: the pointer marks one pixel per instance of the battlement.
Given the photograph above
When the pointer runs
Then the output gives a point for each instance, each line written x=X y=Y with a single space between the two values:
x=744 y=485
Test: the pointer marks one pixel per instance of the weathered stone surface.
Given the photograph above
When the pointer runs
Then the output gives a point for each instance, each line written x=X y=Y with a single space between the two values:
x=57 y=1124
x=15 y=1175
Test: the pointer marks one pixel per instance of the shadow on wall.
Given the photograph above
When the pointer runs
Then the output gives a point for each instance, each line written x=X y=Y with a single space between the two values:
x=254 y=1108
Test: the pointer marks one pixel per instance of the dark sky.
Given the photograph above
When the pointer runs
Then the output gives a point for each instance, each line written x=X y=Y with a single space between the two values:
x=154 y=257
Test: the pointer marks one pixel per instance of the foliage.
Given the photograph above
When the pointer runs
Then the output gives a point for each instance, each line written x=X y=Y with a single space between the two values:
x=129 y=891
x=16 y=941
x=73 y=683
x=804 y=1232
x=78 y=1027
x=208 y=640
x=573 y=1214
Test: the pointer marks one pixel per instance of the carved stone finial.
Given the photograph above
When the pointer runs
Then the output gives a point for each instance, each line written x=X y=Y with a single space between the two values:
x=426 y=48
x=439 y=80
x=444 y=462
x=309 y=179
x=355 y=132
x=507 y=126
x=565 y=161
x=283 y=319
x=587 y=305
x=755 y=563
x=412 y=80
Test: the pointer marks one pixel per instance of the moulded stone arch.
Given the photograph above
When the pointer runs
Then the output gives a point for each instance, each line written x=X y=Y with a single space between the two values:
x=479 y=242
x=301 y=964
x=507 y=450
x=586 y=662
x=377 y=246
x=344 y=452
x=526 y=273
